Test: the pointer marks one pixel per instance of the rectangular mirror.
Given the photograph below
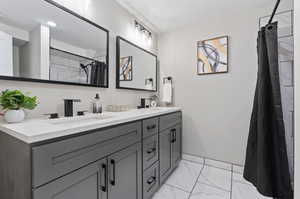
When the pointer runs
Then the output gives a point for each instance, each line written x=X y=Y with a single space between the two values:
x=136 y=67
x=42 y=41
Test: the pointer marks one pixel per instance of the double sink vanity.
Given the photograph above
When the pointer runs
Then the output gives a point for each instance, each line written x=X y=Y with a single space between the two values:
x=125 y=155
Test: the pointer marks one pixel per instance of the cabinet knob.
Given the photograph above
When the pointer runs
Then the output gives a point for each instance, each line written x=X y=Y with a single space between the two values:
x=151 y=127
x=151 y=150
x=151 y=180
x=173 y=135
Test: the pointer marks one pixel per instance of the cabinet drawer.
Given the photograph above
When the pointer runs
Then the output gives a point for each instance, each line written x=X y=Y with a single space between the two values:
x=83 y=183
x=151 y=181
x=53 y=160
x=150 y=151
x=150 y=127
x=170 y=120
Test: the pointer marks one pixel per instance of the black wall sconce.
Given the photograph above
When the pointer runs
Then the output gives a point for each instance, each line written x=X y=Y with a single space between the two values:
x=142 y=29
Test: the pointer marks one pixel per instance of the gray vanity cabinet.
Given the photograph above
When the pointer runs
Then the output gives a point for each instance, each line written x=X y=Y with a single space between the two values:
x=170 y=151
x=88 y=183
x=125 y=161
x=125 y=174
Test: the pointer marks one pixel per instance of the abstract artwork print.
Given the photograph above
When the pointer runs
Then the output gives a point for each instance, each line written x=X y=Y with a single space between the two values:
x=126 y=68
x=213 y=56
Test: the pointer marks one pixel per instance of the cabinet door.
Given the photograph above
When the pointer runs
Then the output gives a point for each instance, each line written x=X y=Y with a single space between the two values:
x=125 y=174
x=176 y=145
x=89 y=182
x=165 y=154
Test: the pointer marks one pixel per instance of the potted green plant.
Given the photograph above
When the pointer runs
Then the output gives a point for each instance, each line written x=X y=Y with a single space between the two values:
x=13 y=102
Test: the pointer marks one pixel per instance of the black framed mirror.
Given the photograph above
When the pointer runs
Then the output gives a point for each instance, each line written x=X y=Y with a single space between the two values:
x=51 y=44
x=136 y=67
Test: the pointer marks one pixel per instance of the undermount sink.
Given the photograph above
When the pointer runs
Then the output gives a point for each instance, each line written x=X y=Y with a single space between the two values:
x=80 y=119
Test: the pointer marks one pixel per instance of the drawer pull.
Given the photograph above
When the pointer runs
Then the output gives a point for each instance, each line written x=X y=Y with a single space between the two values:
x=173 y=134
x=103 y=181
x=113 y=180
x=151 y=150
x=151 y=127
x=151 y=180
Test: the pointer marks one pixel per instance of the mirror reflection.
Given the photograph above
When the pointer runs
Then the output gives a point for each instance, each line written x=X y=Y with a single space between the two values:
x=51 y=44
x=137 y=68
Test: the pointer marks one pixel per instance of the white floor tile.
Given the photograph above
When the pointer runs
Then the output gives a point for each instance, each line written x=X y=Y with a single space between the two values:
x=215 y=177
x=238 y=169
x=218 y=164
x=185 y=175
x=192 y=158
x=203 y=191
x=168 y=192
x=244 y=191
x=237 y=177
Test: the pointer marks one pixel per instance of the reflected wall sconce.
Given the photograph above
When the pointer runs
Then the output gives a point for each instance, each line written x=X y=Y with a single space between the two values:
x=149 y=83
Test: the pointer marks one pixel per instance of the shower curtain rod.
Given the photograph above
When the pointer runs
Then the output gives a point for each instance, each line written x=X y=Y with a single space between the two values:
x=274 y=11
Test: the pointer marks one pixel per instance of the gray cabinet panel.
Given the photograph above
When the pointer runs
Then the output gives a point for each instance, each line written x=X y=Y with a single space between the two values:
x=150 y=127
x=84 y=183
x=150 y=181
x=150 y=151
x=170 y=151
x=125 y=174
x=169 y=120
x=56 y=159
x=165 y=155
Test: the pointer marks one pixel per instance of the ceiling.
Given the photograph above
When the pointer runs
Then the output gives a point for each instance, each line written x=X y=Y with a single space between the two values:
x=165 y=15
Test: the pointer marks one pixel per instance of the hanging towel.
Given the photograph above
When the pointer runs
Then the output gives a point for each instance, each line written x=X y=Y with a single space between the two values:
x=149 y=87
x=167 y=93
x=266 y=160
x=98 y=74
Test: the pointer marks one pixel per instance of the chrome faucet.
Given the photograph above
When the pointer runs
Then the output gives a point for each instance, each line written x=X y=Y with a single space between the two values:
x=69 y=106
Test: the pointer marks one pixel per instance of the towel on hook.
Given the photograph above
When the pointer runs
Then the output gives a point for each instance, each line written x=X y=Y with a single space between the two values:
x=149 y=87
x=167 y=93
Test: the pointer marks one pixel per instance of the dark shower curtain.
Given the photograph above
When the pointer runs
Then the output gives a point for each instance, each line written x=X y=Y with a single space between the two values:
x=266 y=163
x=98 y=73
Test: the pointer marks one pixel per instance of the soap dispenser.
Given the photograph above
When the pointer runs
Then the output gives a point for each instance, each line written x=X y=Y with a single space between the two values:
x=97 y=106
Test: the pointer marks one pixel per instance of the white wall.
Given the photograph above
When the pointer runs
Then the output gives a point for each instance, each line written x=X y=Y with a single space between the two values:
x=73 y=49
x=110 y=15
x=216 y=108
x=35 y=54
x=15 y=32
x=16 y=60
x=6 y=54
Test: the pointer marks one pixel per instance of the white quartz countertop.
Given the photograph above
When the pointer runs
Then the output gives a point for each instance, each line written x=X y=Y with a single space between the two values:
x=37 y=130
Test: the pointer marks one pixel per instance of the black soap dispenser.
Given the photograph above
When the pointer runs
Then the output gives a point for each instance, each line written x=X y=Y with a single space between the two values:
x=97 y=106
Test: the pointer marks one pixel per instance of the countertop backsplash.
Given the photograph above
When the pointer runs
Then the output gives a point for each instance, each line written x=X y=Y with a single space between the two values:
x=50 y=97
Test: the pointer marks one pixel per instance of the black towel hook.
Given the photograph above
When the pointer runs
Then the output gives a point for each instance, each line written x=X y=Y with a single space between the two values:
x=274 y=11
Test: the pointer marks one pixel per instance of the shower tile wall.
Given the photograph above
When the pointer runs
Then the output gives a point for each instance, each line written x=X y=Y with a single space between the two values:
x=64 y=69
x=286 y=66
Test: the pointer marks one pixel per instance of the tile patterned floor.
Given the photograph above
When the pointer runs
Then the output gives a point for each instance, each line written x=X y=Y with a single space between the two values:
x=199 y=178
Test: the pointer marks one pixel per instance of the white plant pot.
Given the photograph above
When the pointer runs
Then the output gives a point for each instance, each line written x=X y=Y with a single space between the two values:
x=14 y=116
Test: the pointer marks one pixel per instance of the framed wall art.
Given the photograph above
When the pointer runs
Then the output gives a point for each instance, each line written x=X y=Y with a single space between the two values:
x=212 y=56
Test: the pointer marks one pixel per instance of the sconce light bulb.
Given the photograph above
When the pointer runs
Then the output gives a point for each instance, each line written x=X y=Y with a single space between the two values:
x=149 y=41
x=51 y=24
